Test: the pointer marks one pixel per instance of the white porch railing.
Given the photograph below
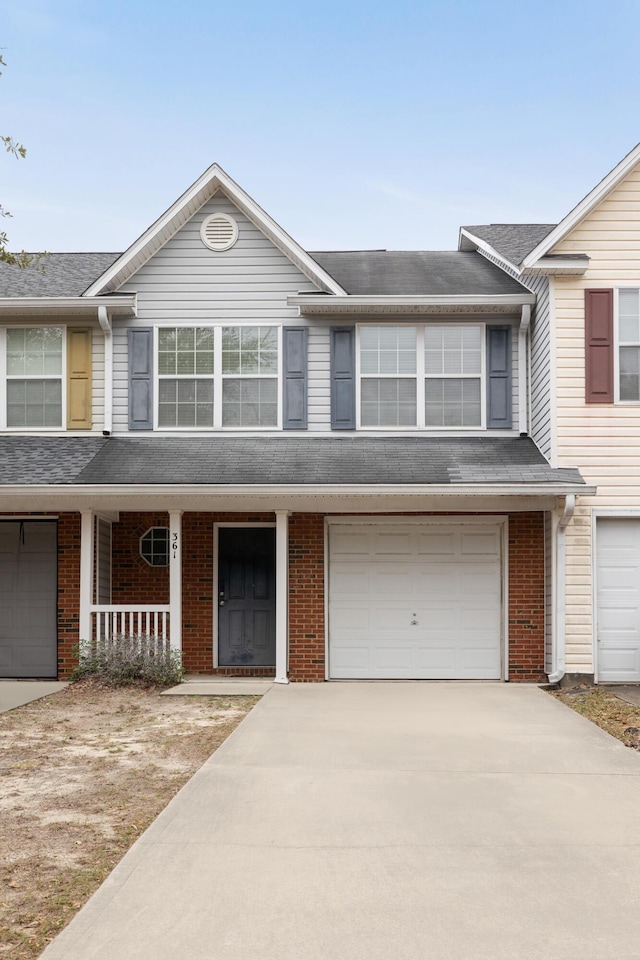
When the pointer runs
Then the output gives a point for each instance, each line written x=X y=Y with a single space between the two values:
x=132 y=621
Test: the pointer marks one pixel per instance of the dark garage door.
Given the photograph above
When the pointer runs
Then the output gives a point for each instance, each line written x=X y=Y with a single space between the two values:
x=28 y=589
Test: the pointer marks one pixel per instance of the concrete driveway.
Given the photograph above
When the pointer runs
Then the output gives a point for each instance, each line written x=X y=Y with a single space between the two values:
x=15 y=693
x=386 y=821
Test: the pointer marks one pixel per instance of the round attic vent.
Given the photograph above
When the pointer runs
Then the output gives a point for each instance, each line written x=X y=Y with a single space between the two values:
x=219 y=232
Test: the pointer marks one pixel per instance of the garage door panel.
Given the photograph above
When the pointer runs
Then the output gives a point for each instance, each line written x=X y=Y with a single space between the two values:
x=618 y=599
x=28 y=599
x=429 y=613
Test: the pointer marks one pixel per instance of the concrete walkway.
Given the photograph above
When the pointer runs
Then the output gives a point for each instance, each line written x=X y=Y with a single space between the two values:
x=15 y=693
x=386 y=821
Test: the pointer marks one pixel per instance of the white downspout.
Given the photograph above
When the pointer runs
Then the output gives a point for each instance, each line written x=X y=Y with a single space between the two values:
x=523 y=407
x=105 y=323
x=560 y=592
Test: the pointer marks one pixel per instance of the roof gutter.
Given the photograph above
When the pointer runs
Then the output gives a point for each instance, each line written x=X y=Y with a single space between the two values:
x=324 y=303
x=560 y=590
x=77 y=490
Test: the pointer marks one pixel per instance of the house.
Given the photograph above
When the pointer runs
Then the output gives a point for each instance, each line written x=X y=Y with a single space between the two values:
x=585 y=405
x=306 y=465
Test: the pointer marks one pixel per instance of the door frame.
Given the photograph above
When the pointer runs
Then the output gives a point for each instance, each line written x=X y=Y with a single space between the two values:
x=499 y=520
x=216 y=567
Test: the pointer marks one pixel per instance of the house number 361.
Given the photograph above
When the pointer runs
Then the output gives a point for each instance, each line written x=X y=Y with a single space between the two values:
x=174 y=545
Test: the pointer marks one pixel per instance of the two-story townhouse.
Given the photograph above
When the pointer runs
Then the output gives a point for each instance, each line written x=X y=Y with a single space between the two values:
x=306 y=465
x=585 y=362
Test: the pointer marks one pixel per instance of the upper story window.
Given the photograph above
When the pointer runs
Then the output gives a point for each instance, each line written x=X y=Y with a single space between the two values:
x=33 y=361
x=213 y=377
x=430 y=375
x=629 y=344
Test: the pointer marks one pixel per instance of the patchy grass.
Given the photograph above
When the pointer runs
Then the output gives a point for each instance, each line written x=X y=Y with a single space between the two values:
x=83 y=773
x=602 y=707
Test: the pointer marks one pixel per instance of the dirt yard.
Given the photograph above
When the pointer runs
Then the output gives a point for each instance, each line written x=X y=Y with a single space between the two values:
x=82 y=774
x=602 y=707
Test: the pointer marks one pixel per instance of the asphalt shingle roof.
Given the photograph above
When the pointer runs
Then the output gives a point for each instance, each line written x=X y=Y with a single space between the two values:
x=414 y=273
x=56 y=275
x=513 y=240
x=275 y=460
x=382 y=272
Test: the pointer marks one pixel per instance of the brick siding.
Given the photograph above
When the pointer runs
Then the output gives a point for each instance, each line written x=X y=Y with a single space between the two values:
x=526 y=596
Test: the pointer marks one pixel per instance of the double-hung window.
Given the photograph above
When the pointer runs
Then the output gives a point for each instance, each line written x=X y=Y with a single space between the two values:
x=34 y=371
x=628 y=344
x=424 y=376
x=216 y=377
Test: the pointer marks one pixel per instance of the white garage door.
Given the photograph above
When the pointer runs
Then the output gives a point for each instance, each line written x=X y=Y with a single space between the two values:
x=415 y=601
x=618 y=600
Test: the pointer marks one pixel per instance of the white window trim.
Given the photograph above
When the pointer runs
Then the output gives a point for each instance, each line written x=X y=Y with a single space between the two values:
x=629 y=285
x=420 y=377
x=5 y=379
x=218 y=377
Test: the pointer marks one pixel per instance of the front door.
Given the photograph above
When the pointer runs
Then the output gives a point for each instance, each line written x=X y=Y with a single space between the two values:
x=246 y=597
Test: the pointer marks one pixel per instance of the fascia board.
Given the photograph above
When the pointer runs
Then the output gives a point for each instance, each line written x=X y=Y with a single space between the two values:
x=585 y=207
x=483 y=245
x=466 y=300
x=213 y=179
x=558 y=266
x=123 y=305
x=155 y=490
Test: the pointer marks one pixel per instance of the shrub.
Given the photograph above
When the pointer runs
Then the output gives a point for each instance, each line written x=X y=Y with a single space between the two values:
x=129 y=658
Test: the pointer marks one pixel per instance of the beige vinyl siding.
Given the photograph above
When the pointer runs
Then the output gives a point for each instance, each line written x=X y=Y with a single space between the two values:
x=603 y=440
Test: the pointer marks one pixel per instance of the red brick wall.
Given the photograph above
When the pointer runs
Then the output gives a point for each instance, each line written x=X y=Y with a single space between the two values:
x=306 y=597
x=526 y=596
x=134 y=581
x=68 y=591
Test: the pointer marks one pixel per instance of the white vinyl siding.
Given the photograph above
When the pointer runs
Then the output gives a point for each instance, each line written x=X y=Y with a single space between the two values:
x=541 y=368
x=97 y=380
x=601 y=439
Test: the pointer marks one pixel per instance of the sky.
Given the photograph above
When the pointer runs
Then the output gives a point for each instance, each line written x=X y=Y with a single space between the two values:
x=354 y=124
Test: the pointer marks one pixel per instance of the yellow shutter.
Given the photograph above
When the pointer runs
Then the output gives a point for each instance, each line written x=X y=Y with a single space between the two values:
x=78 y=378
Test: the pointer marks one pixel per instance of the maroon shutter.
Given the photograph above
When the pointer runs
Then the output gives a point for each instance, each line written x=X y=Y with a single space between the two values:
x=598 y=314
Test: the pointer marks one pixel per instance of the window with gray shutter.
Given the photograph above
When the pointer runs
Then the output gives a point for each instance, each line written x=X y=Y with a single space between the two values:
x=343 y=379
x=295 y=341
x=499 y=363
x=141 y=378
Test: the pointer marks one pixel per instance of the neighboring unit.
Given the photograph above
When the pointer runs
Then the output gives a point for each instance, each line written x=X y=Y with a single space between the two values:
x=302 y=465
x=585 y=377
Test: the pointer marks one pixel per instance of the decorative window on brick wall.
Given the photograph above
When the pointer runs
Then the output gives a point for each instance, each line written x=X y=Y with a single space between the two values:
x=215 y=377
x=154 y=546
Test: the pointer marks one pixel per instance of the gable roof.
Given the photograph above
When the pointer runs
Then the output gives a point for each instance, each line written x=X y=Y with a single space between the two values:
x=368 y=272
x=185 y=207
x=415 y=273
x=513 y=241
x=584 y=208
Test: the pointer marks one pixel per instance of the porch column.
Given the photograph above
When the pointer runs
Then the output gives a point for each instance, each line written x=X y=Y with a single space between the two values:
x=282 y=596
x=175 y=578
x=87 y=532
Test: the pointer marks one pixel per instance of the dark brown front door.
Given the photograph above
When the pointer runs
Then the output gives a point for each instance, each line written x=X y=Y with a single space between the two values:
x=246 y=597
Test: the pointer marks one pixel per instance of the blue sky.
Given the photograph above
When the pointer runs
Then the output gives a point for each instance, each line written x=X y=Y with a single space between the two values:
x=354 y=124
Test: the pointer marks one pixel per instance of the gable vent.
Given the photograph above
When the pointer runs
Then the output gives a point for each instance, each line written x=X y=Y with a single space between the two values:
x=219 y=232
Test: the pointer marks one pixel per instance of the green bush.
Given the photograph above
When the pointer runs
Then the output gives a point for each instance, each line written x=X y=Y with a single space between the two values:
x=125 y=659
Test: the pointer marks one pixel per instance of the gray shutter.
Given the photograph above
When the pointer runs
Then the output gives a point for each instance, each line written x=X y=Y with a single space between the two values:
x=343 y=378
x=141 y=378
x=499 y=377
x=295 y=377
